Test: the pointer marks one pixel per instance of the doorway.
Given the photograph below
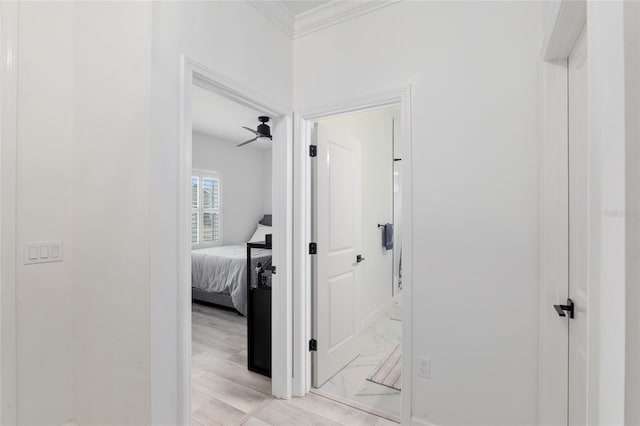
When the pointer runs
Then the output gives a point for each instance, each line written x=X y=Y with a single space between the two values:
x=231 y=258
x=203 y=193
x=357 y=297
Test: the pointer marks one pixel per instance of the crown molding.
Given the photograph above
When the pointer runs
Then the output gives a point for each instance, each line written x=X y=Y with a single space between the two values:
x=319 y=18
x=277 y=13
x=333 y=13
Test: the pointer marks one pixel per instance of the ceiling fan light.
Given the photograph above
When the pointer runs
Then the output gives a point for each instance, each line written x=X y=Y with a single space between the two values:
x=264 y=130
x=262 y=133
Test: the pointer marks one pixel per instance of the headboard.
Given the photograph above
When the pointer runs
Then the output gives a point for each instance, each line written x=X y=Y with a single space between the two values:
x=266 y=220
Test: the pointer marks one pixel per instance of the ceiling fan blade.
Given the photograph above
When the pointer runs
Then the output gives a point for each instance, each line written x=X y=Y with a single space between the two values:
x=252 y=131
x=249 y=141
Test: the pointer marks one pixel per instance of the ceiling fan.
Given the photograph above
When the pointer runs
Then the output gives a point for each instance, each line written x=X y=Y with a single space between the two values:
x=263 y=131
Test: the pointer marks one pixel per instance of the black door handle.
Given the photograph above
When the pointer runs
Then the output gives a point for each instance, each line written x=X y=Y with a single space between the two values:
x=569 y=307
x=359 y=258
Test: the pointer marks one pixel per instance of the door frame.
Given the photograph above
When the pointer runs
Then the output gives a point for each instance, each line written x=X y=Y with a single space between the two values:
x=302 y=303
x=606 y=139
x=192 y=73
x=8 y=181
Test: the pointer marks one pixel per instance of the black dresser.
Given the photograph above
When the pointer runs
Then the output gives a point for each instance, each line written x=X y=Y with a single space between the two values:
x=258 y=318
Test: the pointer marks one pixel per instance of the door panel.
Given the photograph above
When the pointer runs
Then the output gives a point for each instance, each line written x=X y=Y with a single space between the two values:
x=578 y=231
x=341 y=197
x=341 y=290
x=338 y=203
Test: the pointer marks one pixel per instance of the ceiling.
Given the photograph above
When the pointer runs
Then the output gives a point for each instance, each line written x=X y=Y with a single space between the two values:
x=222 y=118
x=298 y=7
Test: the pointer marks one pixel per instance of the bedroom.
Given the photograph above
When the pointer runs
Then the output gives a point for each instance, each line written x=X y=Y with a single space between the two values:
x=231 y=206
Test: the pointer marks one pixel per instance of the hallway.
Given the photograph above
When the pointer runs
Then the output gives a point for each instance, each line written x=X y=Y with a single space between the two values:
x=224 y=392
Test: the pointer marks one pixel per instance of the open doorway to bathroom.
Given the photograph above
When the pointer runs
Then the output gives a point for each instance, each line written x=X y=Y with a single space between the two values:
x=357 y=270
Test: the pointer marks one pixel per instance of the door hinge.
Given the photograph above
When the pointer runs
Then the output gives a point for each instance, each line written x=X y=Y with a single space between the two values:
x=313 y=248
x=313 y=150
x=313 y=345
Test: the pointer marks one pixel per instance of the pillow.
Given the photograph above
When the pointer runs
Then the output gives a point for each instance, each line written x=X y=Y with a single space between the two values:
x=260 y=233
x=266 y=220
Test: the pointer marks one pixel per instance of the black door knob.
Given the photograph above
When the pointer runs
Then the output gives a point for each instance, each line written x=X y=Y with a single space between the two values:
x=569 y=307
x=359 y=258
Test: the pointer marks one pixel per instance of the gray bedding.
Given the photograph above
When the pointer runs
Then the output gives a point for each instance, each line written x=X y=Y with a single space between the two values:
x=224 y=270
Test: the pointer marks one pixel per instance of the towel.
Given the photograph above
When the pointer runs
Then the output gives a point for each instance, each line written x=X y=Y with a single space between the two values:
x=387 y=236
x=400 y=269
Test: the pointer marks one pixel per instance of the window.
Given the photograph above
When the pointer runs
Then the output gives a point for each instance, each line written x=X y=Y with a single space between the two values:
x=206 y=212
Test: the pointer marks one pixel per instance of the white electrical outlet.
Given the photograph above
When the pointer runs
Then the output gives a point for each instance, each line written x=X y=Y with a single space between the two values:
x=424 y=367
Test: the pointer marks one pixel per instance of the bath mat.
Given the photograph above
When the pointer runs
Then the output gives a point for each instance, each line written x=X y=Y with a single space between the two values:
x=389 y=371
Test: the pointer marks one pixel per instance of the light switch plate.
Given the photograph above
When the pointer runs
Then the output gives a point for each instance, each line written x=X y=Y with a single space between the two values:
x=42 y=252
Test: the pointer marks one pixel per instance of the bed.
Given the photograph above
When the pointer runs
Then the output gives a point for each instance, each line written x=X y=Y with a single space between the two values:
x=219 y=274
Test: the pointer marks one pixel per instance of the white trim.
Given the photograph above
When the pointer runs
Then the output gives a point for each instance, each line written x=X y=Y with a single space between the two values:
x=192 y=73
x=184 y=247
x=316 y=19
x=334 y=13
x=560 y=37
x=282 y=290
x=208 y=79
x=302 y=301
x=419 y=422
x=8 y=248
x=606 y=96
x=277 y=13
x=301 y=260
x=607 y=189
x=566 y=22
x=346 y=401
x=552 y=235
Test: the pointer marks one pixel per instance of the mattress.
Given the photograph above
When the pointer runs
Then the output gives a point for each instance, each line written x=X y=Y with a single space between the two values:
x=224 y=270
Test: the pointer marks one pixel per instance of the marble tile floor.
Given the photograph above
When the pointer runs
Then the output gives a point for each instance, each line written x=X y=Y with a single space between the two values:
x=224 y=392
x=350 y=383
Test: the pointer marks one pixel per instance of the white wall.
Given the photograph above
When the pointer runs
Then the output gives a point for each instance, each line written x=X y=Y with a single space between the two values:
x=374 y=130
x=244 y=183
x=111 y=144
x=473 y=68
x=267 y=179
x=632 y=93
x=98 y=114
x=225 y=37
x=44 y=212
x=83 y=178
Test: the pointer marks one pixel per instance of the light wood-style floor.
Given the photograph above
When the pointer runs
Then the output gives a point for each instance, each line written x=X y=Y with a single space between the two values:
x=224 y=392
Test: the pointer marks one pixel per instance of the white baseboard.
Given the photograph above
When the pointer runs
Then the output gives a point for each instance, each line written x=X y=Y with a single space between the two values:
x=356 y=405
x=376 y=314
x=419 y=422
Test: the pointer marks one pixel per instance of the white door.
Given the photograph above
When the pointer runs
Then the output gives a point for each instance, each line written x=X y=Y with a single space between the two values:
x=578 y=231
x=338 y=238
